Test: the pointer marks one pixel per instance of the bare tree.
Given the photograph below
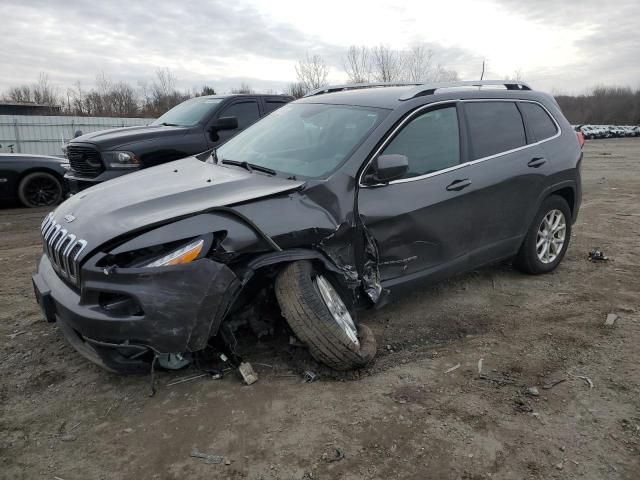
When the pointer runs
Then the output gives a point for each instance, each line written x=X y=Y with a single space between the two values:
x=296 y=90
x=243 y=89
x=312 y=72
x=357 y=64
x=387 y=64
x=418 y=64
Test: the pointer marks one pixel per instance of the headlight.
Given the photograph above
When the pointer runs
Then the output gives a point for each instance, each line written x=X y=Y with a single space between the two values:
x=184 y=254
x=121 y=159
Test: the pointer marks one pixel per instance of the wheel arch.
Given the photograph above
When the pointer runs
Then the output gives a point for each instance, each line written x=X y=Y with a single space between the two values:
x=41 y=169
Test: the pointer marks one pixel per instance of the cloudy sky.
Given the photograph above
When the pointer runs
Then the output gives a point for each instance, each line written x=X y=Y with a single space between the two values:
x=557 y=45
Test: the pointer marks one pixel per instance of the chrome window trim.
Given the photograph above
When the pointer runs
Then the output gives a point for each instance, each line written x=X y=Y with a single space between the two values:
x=462 y=165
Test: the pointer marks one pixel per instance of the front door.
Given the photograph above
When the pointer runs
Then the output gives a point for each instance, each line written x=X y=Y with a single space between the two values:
x=420 y=222
x=246 y=111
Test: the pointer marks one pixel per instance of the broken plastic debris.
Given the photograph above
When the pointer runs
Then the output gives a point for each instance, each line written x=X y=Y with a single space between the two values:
x=248 y=373
x=611 y=319
x=309 y=376
x=455 y=367
x=208 y=458
x=597 y=255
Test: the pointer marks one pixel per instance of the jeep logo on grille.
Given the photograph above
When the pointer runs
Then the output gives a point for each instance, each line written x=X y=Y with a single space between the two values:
x=69 y=217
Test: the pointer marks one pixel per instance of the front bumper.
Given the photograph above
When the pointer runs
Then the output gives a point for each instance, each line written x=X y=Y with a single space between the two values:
x=77 y=183
x=181 y=307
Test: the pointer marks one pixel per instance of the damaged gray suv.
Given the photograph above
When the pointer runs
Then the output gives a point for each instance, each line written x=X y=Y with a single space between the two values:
x=321 y=208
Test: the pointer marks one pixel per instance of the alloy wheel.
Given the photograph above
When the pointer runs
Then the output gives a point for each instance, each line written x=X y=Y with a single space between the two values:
x=551 y=236
x=337 y=308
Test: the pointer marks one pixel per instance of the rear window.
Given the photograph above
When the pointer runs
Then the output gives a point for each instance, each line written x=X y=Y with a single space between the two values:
x=494 y=127
x=538 y=121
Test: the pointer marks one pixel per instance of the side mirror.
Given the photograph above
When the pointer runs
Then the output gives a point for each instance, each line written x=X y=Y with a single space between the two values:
x=224 y=123
x=386 y=168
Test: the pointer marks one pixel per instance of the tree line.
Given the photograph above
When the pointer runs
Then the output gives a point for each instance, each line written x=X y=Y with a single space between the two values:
x=361 y=64
x=602 y=106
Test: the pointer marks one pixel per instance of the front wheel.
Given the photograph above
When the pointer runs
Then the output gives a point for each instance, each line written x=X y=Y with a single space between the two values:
x=547 y=239
x=40 y=189
x=319 y=317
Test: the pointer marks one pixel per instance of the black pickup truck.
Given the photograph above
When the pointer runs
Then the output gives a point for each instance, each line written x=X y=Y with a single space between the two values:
x=194 y=126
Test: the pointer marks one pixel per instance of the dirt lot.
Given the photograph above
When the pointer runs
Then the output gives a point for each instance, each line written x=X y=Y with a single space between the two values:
x=406 y=416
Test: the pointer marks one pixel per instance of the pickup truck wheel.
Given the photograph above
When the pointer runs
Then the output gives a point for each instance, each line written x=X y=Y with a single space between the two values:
x=548 y=238
x=316 y=312
x=40 y=189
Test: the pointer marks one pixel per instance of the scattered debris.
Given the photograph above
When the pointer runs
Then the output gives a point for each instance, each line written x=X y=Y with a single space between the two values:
x=187 y=379
x=455 y=367
x=559 y=466
x=309 y=376
x=208 y=458
x=611 y=319
x=587 y=380
x=533 y=391
x=14 y=335
x=128 y=430
x=499 y=381
x=248 y=373
x=553 y=383
x=334 y=456
x=480 y=365
x=520 y=405
x=628 y=214
x=597 y=255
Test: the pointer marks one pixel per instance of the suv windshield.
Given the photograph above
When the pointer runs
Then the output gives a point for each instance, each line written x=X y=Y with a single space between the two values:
x=188 y=113
x=303 y=139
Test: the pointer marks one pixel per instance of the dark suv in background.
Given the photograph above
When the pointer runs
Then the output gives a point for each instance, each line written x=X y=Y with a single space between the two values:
x=192 y=127
x=327 y=204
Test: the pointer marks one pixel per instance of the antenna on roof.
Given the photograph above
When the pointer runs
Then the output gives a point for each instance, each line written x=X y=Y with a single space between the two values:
x=482 y=74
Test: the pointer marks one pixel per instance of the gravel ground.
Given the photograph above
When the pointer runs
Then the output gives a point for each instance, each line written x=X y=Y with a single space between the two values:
x=409 y=415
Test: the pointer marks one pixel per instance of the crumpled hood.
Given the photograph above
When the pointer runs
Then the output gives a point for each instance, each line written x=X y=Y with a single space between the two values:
x=155 y=195
x=115 y=137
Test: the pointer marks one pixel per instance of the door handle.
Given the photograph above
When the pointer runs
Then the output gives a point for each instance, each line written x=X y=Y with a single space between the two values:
x=536 y=162
x=458 y=185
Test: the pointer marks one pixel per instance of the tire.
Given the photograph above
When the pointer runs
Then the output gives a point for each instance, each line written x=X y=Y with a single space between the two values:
x=298 y=292
x=40 y=189
x=532 y=258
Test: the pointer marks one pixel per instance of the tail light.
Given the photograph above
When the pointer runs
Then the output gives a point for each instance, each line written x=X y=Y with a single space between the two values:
x=580 y=139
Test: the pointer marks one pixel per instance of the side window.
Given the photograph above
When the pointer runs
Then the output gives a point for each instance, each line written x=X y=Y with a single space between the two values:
x=271 y=105
x=494 y=127
x=431 y=142
x=538 y=121
x=245 y=112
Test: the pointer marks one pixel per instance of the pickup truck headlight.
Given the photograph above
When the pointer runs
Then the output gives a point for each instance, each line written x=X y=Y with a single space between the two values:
x=184 y=254
x=121 y=159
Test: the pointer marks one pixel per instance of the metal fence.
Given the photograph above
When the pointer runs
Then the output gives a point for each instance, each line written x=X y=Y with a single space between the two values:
x=44 y=135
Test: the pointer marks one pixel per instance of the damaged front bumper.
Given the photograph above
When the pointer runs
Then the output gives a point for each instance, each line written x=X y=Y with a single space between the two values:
x=122 y=316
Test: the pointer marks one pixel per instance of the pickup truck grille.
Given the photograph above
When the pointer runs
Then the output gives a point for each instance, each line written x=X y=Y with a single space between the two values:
x=85 y=161
x=63 y=249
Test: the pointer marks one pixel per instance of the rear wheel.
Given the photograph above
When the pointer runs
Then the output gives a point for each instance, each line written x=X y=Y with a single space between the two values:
x=548 y=237
x=40 y=189
x=311 y=302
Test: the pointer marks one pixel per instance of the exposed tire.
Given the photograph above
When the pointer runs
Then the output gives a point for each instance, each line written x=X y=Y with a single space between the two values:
x=302 y=303
x=40 y=189
x=532 y=257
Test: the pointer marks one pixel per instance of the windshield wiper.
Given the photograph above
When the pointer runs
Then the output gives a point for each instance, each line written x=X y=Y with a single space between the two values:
x=166 y=124
x=250 y=166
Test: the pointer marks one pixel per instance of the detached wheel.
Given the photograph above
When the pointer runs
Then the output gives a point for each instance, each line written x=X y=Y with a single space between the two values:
x=40 y=189
x=318 y=315
x=547 y=239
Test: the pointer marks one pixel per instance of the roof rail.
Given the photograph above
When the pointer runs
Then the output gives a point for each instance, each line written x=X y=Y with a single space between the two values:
x=356 y=86
x=430 y=89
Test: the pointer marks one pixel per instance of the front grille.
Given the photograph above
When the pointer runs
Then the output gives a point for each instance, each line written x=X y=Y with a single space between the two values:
x=85 y=161
x=63 y=249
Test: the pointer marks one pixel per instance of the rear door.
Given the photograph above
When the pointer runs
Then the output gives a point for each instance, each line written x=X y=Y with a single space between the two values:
x=246 y=111
x=507 y=167
x=420 y=222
